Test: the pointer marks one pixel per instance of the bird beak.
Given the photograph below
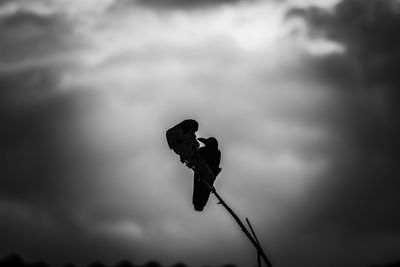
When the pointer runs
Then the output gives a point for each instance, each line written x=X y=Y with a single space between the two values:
x=203 y=140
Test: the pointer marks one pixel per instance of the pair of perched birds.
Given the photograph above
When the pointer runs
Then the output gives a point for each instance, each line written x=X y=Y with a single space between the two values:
x=182 y=140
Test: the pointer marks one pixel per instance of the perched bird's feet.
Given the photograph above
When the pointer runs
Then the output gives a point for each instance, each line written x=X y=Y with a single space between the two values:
x=190 y=166
x=186 y=162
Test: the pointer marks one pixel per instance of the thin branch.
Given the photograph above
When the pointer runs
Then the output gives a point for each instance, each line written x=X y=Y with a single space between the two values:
x=246 y=232
x=258 y=242
x=206 y=175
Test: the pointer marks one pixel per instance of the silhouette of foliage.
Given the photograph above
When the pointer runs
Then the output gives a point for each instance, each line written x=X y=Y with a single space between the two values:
x=97 y=264
x=179 y=264
x=391 y=264
x=13 y=260
x=125 y=263
x=38 y=264
x=152 y=264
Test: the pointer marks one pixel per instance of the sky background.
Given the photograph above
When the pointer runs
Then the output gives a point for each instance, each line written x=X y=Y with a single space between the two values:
x=303 y=97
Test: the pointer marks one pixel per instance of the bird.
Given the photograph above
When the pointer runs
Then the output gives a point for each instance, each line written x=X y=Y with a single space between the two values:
x=182 y=138
x=212 y=157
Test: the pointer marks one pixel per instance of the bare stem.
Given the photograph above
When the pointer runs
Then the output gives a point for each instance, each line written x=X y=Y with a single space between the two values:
x=244 y=229
x=258 y=242
x=206 y=175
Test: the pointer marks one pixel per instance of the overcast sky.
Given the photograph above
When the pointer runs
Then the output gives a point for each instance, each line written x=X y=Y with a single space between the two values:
x=303 y=97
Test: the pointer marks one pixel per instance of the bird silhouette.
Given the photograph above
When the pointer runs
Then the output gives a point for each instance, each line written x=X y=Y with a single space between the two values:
x=212 y=156
x=182 y=139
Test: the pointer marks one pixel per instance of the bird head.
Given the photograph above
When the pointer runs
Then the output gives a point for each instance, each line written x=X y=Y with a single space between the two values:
x=210 y=142
x=189 y=125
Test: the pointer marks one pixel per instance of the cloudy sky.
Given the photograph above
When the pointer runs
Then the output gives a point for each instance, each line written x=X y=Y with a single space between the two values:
x=303 y=96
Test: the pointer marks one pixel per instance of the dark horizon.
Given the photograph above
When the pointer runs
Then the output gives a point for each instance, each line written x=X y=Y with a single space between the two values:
x=15 y=260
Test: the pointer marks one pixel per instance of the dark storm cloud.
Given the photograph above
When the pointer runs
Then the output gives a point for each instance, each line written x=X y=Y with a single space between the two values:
x=369 y=31
x=34 y=120
x=5 y=1
x=359 y=196
x=33 y=115
x=47 y=173
x=40 y=162
x=29 y=36
x=175 y=3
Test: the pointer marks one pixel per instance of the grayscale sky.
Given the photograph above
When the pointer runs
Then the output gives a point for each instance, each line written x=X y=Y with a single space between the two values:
x=303 y=97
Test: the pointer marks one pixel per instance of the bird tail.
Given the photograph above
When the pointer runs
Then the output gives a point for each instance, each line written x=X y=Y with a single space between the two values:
x=201 y=193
